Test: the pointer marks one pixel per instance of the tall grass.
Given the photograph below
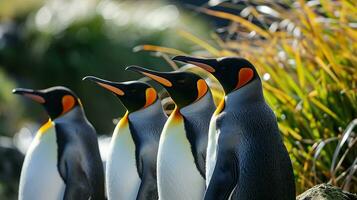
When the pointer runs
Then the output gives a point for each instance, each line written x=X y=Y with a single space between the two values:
x=306 y=53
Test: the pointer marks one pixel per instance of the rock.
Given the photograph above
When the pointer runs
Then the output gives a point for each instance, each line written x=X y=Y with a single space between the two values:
x=10 y=167
x=326 y=192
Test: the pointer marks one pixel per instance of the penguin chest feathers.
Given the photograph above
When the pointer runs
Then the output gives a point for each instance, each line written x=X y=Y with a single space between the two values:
x=122 y=177
x=212 y=144
x=178 y=176
x=40 y=178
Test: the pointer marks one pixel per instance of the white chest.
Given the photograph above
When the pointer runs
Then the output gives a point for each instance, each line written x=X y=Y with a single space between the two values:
x=178 y=177
x=122 y=178
x=211 y=156
x=40 y=179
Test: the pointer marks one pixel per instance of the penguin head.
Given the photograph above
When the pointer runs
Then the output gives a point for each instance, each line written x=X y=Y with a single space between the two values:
x=56 y=100
x=184 y=87
x=232 y=72
x=134 y=95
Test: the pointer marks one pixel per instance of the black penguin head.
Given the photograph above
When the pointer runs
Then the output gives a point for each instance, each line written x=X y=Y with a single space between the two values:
x=134 y=95
x=232 y=72
x=183 y=87
x=56 y=100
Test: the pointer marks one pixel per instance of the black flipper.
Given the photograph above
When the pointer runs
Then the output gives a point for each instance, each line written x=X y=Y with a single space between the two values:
x=146 y=147
x=77 y=184
x=225 y=174
x=147 y=172
x=79 y=162
x=224 y=177
x=148 y=187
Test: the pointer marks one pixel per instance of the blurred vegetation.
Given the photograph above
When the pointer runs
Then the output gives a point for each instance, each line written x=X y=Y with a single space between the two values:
x=44 y=43
x=59 y=42
x=306 y=53
x=10 y=109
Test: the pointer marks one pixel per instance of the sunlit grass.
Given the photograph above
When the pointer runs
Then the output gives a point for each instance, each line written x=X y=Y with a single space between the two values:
x=306 y=54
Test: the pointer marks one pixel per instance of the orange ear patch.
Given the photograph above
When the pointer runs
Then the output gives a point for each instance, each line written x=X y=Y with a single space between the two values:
x=201 y=88
x=36 y=98
x=151 y=96
x=68 y=102
x=244 y=76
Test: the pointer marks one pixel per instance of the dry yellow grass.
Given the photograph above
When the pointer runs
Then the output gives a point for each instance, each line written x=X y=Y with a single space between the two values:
x=307 y=56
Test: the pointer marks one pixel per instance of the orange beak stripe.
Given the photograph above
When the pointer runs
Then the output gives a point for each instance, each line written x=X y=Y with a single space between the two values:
x=244 y=76
x=36 y=98
x=151 y=96
x=202 y=88
x=159 y=79
x=112 y=89
x=203 y=66
x=67 y=103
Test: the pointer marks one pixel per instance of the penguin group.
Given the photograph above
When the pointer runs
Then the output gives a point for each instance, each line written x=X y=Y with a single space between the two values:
x=200 y=151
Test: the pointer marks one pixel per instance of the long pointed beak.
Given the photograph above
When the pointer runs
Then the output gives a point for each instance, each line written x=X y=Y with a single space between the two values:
x=32 y=94
x=109 y=85
x=204 y=63
x=160 y=77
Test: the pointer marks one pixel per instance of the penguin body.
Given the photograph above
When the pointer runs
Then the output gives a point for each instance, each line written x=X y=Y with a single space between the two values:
x=131 y=165
x=122 y=178
x=132 y=155
x=182 y=151
x=196 y=122
x=246 y=158
x=63 y=161
x=250 y=146
x=40 y=178
x=183 y=142
x=211 y=156
x=146 y=127
x=79 y=161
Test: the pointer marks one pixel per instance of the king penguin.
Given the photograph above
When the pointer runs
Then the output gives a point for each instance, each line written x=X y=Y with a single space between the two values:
x=183 y=142
x=63 y=160
x=246 y=157
x=131 y=164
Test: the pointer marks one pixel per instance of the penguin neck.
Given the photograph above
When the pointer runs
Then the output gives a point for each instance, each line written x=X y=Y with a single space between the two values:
x=74 y=114
x=205 y=104
x=146 y=115
x=252 y=92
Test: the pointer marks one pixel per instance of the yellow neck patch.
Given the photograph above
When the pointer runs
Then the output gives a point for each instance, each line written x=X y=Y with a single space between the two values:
x=44 y=128
x=175 y=116
x=219 y=108
x=124 y=121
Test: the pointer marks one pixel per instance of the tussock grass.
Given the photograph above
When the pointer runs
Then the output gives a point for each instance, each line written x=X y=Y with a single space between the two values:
x=306 y=53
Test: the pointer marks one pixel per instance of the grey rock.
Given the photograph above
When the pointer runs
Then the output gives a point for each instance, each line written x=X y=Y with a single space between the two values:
x=326 y=192
x=10 y=167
